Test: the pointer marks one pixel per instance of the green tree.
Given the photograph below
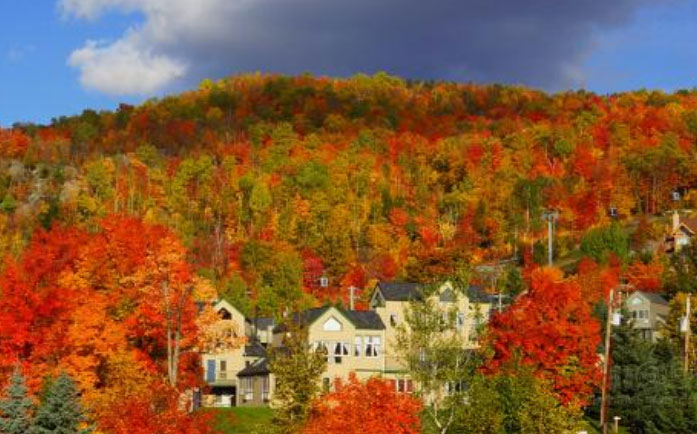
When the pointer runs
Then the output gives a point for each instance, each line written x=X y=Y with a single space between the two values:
x=681 y=273
x=513 y=402
x=298 y=369
x=16 y=407
x=434 y=355
x=599 y=243
x=60 y=411
x=649 y=389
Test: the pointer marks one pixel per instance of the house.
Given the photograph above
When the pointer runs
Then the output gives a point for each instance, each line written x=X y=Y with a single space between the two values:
x=390 y=300
x=221 y=369
x=360 y=342
x=681 y=233
x=647 y=313
x=353 y=341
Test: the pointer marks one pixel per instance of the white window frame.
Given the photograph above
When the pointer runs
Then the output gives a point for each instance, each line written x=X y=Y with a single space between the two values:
x=357 y=346
x=247 y=389
x=373 y=346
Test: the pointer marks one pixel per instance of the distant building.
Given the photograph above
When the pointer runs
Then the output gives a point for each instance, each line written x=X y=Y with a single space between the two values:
x=647 y=313
x=681 y=233
x=360 y=342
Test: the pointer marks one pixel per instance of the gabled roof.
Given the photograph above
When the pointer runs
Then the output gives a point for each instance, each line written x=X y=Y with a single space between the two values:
x=364 y=320
x=262 y=323
x=258 y=367
x=652 y=297
x=399 y=291
x=254 y=349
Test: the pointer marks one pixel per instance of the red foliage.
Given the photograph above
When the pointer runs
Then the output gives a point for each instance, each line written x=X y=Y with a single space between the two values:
x=13 y=143
x=371 y=407
x=551 y=330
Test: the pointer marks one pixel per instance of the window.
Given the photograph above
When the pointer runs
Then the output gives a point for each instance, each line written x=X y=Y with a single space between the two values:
x=404 y=385
x=332 y=325
x=265 y=389
x=247 y=389
x=372 y=346
x=393 y=319
x=224 y=314
x=357 y=346
x=460 y=320
x=341 y=349
x=640 y=314
x=323 y=348
x=223 y=370
x=326 y=384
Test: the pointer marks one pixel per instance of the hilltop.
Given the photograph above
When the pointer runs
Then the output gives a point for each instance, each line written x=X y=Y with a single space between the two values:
x=273 y=182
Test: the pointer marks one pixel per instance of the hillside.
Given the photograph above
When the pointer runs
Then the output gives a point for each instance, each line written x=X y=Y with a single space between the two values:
x=274 y=181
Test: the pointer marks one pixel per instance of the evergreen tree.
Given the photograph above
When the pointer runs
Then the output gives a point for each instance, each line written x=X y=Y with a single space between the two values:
x=16 y=407
x=649 y=389
x=61 y=411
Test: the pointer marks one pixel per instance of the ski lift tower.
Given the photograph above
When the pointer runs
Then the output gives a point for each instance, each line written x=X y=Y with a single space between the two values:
x=551 y=216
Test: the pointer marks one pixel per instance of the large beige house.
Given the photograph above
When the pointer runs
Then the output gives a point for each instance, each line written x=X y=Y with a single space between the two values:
x=360 y=342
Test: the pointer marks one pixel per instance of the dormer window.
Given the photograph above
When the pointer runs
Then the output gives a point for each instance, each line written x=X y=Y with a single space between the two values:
x=224 y=314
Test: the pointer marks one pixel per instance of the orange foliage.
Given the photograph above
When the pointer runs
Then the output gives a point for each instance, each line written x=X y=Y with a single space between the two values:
x=551 y=330
x=359 y=407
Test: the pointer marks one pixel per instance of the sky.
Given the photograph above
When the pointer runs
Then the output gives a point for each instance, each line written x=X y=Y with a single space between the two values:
x=59 y=57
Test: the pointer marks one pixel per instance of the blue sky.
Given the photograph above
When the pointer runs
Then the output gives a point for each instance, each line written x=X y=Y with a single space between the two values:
x=145 y=48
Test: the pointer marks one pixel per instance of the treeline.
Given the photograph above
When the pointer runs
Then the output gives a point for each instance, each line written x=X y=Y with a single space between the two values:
x=275 y=181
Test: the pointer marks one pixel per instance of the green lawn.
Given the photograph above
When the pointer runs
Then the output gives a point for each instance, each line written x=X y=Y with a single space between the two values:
x=243 y=420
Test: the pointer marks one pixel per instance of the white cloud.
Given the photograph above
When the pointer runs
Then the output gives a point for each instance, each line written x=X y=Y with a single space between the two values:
x=125 y=67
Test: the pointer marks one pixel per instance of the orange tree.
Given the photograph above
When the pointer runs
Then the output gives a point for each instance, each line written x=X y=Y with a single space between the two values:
x=551 y=330
x=357 y=407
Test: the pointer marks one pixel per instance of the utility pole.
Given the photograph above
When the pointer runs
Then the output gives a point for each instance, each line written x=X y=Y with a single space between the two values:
x=688 y=330
x=606 y=363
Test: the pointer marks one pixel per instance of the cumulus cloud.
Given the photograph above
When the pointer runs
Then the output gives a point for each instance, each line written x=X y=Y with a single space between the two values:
x=125 y=67
x=535 y=42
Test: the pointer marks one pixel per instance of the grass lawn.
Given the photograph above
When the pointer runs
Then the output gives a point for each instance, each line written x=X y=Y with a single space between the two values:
x=243 y=420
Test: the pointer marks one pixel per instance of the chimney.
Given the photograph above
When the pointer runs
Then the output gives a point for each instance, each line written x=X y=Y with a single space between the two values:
x=676 y=221
x=351 y=297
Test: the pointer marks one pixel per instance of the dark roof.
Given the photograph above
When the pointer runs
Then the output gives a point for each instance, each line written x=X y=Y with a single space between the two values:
x=478 y=294
x=262 y=323
x=304 y=318
x=366 y=320
x=405 y=291
x=399 y=291
x=654 y=298
x=259 y=367
x=254 y=349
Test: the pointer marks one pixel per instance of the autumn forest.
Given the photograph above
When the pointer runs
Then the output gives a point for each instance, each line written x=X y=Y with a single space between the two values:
x=279 y=193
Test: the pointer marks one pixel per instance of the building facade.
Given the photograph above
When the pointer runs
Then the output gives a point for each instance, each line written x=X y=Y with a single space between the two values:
x=360 y=342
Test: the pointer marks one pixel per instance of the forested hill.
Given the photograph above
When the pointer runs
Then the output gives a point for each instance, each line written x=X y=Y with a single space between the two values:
x=274 y=181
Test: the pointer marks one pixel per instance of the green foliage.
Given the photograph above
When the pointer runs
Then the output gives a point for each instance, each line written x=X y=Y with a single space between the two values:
x=8 y=204
x=298 y=370
x=60 y=411
x=16 y=408
x=649 y=389
x=312 y=175
x=599 y=243
x=435 y=357
x=512 y=282
x=681 y=273
x=513 y=403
